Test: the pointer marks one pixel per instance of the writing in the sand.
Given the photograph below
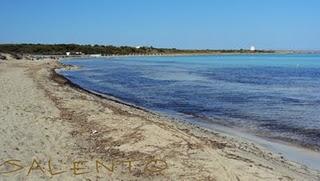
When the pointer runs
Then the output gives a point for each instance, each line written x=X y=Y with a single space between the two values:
x=80 y=167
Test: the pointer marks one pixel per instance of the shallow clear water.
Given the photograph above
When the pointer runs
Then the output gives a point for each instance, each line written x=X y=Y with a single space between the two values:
x=274 y=96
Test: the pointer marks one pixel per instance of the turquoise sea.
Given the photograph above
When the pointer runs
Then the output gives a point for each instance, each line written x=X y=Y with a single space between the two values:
x=272 y=96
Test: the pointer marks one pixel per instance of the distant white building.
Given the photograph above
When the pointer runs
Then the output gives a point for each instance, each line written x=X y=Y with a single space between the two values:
x=68 y=53
x=137 y=47
x=252 y=48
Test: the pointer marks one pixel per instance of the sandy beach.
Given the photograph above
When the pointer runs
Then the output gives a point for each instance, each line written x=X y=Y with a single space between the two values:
x=51 y=130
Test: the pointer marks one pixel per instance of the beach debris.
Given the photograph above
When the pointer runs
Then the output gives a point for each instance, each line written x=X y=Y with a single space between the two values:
x=2 y=57
x=94 y=132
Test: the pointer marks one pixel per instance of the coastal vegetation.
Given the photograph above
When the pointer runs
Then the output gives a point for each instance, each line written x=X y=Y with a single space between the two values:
x=76 y=49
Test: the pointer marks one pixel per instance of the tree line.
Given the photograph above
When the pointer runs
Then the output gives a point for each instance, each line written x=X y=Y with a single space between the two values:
x=61 y=49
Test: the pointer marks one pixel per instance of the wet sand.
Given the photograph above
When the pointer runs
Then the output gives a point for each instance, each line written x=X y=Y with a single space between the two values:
x=56 y=131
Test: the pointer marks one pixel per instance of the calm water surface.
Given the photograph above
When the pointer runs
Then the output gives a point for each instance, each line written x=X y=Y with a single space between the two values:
x=274 y=96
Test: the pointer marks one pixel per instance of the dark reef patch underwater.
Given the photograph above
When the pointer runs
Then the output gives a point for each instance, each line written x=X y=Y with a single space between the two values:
x=274 y=96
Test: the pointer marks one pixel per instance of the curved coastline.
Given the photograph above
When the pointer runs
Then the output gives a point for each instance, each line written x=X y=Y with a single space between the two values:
x=101 y=95
x=290 y=151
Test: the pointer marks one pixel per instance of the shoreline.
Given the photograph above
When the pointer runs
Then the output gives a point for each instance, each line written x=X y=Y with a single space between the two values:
x=294 y=152
x=190 y=152
x=167 y=55
x=112 y=97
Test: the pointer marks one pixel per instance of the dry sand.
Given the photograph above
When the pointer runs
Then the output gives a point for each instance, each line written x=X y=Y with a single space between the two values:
x=44 y=118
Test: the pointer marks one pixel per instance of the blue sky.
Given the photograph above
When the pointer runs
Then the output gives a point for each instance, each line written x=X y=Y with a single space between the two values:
x=213 y=24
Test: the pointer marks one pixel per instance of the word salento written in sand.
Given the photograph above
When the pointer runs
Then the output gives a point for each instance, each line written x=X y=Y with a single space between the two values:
x=80 y=167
